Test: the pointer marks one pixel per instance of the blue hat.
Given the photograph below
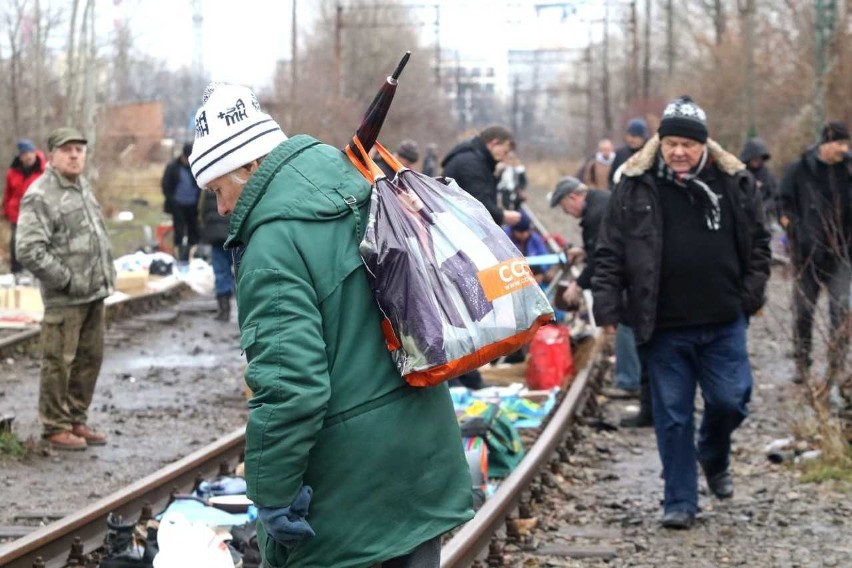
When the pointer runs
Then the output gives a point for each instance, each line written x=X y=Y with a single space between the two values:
x=523 y=224
x=25 y=145
x=637 y=127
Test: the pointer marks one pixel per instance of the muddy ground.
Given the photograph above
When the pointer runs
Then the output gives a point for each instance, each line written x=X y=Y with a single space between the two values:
x=171 y=382
x=607 y=508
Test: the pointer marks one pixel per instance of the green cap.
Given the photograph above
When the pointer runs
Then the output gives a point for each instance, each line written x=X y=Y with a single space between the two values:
x=64 y=135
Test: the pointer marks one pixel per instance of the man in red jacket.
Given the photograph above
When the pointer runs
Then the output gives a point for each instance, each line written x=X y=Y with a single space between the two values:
x=27 y=166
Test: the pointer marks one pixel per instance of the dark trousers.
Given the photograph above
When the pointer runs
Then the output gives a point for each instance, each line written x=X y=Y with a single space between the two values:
x=72 y=343
x=472 y=380
x=715 y=357
x=427 y=555
x=836 y=276
x=14 y=265
x=185 y=220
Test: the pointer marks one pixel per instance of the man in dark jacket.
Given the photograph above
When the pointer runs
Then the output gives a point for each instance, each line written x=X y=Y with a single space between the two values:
x=214 y=231
x=684 y=236
x=27 y=167
x=816 y=211
x=589 y=206
x=181 y=200
x=472 y=162
x=754 y=155
x=634 y=138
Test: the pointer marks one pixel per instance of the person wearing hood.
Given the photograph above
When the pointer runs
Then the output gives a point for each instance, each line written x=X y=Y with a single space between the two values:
x=684 y=238
x=347 y=464
x=472 y=164
x=635 y=136
x=27 y=167
x=816 y=211
x=754 y=155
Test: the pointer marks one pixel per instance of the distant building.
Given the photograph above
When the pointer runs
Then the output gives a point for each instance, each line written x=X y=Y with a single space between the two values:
x=132 y=133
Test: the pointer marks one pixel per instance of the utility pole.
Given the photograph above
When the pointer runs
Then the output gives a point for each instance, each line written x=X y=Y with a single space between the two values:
x=646 y=64
x=634 y=56
x=607 y=115
x=589 y=94
x=198 y=42
x=750 y=94
x=670 y=45
x=438 y=45
x=338 y=49
x=293 y=55
x=826 y=16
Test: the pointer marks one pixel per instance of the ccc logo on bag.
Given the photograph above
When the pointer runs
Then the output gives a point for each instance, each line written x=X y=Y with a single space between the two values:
x=504 y=278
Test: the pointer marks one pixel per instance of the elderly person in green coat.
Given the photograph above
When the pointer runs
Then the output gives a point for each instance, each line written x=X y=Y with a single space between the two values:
x=348 y=465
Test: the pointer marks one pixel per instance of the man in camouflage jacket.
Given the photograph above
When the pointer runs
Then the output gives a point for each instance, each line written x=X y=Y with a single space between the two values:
x=62 y=240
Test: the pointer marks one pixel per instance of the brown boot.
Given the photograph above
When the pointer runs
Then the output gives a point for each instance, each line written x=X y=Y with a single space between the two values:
x=91 y=437
x=66 y=441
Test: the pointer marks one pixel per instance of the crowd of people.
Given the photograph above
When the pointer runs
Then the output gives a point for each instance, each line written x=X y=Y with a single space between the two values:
x=676 y=254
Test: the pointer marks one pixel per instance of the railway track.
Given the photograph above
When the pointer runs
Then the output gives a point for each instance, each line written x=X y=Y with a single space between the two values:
x=26 y=339
x=70 y=541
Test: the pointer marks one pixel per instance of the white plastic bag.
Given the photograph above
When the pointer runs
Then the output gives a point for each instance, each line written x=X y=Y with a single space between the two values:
x=189 y=545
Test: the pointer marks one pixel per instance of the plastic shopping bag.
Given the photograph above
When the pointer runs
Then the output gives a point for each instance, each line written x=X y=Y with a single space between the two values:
x=454 y=290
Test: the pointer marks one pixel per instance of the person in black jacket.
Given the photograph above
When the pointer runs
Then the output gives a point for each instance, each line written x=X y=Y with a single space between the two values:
x=589 y=206
x=472 y=162
x=214 y=231
x=754 y=155
x=684 y=237
x=635 y=136
x=181 y=195
x=816 y=211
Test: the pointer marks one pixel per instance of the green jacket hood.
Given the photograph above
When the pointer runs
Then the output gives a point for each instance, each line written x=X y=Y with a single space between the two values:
x=301 y=179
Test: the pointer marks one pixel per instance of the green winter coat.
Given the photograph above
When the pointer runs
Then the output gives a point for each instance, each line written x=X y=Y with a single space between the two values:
x=329 y=408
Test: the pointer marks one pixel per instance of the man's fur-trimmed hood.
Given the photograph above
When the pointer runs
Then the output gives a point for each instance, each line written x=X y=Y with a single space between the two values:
x=644 y=159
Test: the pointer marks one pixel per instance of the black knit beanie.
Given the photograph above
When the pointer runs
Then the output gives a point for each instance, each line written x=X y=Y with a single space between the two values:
x=683 y=117
x=834 y=131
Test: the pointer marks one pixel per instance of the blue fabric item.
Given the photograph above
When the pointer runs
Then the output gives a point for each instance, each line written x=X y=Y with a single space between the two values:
x=221 y=486
x=223 y=264
x=186 y=191
x=715 y=357
x=287 y=525
x=534 y=246
x=26 y=145
x=628 y=369
x=197 y=512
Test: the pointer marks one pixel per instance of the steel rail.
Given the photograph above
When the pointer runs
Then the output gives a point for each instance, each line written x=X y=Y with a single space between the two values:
x=53 y=542
x=114 y=310
x=475 y=536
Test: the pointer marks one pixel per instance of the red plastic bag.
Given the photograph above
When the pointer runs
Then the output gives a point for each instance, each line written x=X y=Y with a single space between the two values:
x=550 y=363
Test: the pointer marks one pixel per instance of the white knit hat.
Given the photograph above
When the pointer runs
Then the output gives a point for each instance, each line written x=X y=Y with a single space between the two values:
x=230 y=132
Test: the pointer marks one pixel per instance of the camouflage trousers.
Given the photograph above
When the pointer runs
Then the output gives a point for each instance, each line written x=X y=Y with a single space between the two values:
x=72 y=343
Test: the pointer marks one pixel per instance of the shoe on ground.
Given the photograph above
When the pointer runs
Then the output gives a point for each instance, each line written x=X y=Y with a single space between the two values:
x=619 y=393
x=638 y=420
x=721 y=485
x=66 y=441
x=92 y=437
x=678 y=520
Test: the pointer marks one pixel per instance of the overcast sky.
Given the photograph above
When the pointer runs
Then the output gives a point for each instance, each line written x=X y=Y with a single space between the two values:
x=243 y=40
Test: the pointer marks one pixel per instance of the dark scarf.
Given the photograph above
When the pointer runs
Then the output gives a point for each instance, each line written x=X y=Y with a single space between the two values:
x=689 y=180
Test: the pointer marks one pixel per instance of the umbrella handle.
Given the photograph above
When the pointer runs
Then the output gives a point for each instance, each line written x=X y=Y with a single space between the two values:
x=401 y=66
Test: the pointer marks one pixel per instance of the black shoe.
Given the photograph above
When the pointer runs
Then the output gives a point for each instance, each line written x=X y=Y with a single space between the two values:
x=638 y=420
x=721 y=484
x=678 y=520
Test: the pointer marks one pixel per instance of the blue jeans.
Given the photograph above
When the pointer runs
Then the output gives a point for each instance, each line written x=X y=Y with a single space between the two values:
x=628 y=370
x=715 y=357
x=222 y=270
